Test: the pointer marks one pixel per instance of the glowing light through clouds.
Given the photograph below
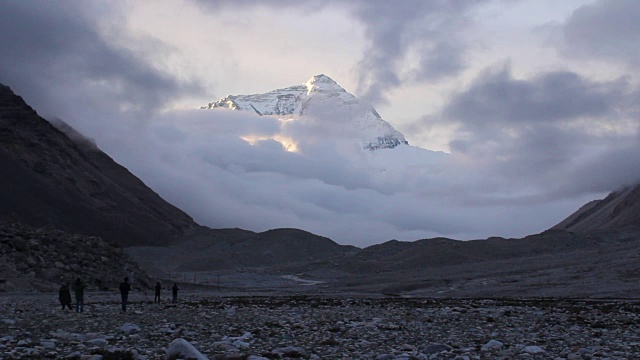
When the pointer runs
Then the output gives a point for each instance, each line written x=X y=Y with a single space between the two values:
x=535 y=101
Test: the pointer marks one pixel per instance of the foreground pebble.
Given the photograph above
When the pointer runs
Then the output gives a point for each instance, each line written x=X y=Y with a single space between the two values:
x=258 y=328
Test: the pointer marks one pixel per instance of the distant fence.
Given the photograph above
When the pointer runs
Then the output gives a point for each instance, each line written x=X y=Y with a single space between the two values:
x=195 y=278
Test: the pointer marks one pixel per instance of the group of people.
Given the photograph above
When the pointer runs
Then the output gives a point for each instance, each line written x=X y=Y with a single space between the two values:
x=174 y=292
x=64 y=294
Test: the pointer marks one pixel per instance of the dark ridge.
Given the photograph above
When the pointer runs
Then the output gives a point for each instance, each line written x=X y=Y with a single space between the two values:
x=50 y=178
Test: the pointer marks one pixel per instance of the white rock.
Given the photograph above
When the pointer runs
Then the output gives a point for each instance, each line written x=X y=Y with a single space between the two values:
x=48 y=344
x=74 y=355
x=492 y=345
x=129 y=327
x=99 y=342
x=181 y=347
x=291 y=351
x=533 y=350
x=241 y=344
x=231 y=311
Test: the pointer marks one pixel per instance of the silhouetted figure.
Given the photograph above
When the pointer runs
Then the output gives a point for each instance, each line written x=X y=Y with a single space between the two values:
x=125 y=287
x=174 y=291
x=78 y=288
x=64 y=295
x=156 y=298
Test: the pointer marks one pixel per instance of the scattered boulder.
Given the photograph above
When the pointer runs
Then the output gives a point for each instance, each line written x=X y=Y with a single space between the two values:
x=130 y=328
x=293 y=327
x=99 y=342
x=435 y=348
x=533 y=350
x=182 y=349
x=290 y=351
x=492 y=345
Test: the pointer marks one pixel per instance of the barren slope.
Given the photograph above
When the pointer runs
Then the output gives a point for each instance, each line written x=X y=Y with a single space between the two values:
x=50 y=179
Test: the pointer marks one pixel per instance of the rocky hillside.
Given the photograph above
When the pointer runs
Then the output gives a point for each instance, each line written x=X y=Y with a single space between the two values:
x=61 y=179
x=207 y=249
x=396 y=255
x=618 y=210
x=553 y=263
x=40 y=259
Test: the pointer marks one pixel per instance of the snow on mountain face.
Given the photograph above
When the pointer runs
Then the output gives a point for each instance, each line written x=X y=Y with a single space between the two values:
x=320 y=99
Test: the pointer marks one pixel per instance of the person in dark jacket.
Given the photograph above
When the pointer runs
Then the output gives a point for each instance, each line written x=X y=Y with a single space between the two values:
x=174 y=291
x=78 y=288
x=64 y=295
x=125 y=287
x=156 y=298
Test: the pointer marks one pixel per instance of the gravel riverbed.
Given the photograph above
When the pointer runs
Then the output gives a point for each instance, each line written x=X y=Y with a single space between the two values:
x=316 y=327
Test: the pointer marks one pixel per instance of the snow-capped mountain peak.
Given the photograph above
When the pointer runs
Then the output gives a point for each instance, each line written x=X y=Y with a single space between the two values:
x=322 y=82
x=320 y=101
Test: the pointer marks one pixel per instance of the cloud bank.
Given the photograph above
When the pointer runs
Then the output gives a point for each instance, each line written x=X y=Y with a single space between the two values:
x=198 y=161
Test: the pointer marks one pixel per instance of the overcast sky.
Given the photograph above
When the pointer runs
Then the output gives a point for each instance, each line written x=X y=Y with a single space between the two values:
x=536 y=101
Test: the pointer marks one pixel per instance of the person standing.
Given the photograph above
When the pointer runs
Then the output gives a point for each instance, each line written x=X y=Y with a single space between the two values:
x=125 y=287
x=156 y=298
x=79 y=290
x=64 y=295
x=174 y=291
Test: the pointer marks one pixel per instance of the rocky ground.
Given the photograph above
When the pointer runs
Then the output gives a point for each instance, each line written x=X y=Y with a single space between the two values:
x=43 y=258
x=32 y=326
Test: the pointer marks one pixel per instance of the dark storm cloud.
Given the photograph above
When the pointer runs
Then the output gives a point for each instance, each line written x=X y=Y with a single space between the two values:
x=53 y=53
x=394 y=29
x=440 y=59
x=606 y=30
x=556 y=131
x=496 y=98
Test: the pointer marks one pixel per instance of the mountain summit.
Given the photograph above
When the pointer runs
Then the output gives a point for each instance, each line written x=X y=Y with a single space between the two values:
x=323 y=83
x=320 y=100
